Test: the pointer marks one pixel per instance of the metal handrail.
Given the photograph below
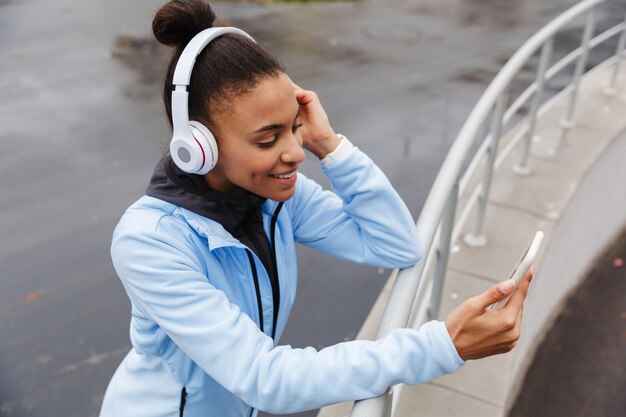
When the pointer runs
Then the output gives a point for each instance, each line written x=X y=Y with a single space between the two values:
x=437 y=226
x=522 y=100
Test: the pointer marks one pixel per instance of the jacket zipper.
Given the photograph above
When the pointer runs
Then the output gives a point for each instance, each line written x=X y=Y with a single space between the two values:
x=256 y=288
x=273 y=279
x=183 y=399
x=276 y=287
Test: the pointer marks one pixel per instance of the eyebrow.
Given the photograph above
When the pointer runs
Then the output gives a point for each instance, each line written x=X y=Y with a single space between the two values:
x=276 y=126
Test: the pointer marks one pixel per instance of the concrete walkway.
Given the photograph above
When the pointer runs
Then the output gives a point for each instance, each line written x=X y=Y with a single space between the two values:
x=518 y=206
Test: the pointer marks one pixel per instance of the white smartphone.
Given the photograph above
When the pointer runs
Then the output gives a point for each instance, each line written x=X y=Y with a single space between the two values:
x=524 y=262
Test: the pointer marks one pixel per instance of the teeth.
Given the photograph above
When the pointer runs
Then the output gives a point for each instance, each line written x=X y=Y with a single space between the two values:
x=285 y=176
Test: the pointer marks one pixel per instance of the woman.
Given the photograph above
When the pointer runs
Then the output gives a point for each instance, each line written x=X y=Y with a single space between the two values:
x=208 y=261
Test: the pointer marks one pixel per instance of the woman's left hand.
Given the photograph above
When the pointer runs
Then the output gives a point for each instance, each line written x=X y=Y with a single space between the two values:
x=317 y=135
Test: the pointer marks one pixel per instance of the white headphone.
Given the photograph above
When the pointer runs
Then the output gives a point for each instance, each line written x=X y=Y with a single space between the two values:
x=193 y=147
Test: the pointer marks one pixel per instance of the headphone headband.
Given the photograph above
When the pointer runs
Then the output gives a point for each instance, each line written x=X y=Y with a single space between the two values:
x=194 y=154
x=184 y=66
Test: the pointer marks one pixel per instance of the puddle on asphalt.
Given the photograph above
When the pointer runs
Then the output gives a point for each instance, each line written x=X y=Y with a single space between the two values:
x=148 y=59
x=395 y=33
x=476 y=76
x=491 y=13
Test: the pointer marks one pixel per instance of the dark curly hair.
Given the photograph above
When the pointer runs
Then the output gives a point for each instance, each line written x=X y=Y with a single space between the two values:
x=230 y=65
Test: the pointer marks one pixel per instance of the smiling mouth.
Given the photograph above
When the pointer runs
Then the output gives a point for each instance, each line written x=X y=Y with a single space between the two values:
x=284 y=176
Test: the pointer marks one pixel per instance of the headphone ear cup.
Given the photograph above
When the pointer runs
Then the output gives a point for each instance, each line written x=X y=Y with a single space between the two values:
x=208 y=146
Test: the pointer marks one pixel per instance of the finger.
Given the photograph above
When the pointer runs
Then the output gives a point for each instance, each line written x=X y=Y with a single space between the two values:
x=519 y=296
x=516 y=331
x=520 y=315
x=305 y=97
x=494 y=294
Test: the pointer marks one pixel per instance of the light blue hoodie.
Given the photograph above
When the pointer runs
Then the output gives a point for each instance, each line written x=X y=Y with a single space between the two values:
x=197 y=348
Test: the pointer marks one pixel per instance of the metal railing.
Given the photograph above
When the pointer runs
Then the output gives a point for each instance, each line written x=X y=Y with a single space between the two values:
x=438 y=226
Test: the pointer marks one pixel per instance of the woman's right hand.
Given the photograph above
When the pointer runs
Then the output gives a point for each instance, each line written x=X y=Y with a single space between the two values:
x=477 y=332
x=317 y=135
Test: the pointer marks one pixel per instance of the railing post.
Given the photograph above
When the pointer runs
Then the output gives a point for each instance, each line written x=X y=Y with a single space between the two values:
x=568 y=122
x=611 y=89
x=522 y=168
x=443 y=252
x=477 y=237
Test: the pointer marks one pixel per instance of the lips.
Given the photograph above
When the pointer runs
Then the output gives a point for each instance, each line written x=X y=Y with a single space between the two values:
x=286 y=180
x=284 y=176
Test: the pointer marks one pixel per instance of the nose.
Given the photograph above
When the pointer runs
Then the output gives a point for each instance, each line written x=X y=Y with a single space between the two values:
x=293 y=152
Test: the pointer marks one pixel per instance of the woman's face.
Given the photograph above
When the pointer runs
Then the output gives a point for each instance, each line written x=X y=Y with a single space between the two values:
x=259 y=147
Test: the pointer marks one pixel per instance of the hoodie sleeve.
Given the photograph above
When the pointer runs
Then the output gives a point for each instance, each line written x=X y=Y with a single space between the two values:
x=364 y=220
x=163 y=276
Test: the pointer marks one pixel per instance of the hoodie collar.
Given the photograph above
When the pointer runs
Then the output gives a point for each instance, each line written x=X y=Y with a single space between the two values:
x=191 y=192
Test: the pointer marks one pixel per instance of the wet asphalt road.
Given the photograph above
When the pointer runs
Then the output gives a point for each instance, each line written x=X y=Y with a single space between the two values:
x=578 y=370
x=81 y=124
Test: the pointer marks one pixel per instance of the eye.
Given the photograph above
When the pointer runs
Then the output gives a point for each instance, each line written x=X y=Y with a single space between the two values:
x=268 y=144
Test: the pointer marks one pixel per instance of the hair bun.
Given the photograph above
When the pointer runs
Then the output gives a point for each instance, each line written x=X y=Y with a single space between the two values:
x=178 y=21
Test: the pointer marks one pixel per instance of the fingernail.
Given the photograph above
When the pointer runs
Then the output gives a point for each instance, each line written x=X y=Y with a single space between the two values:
x=532 y=269
x=506 y=286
